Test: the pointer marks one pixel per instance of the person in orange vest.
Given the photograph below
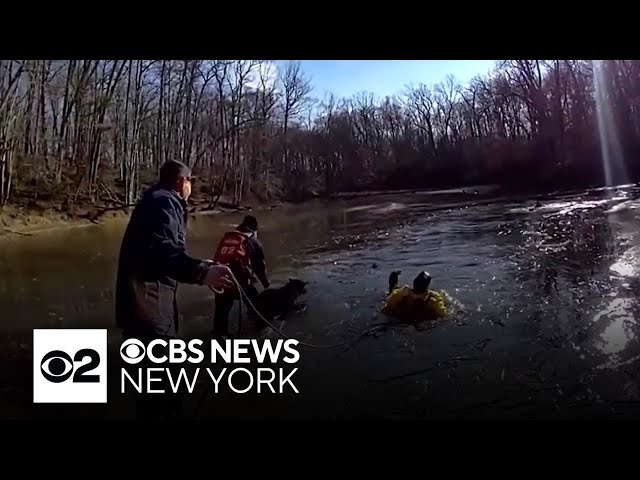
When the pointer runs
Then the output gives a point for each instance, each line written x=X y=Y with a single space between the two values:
x=243 y=253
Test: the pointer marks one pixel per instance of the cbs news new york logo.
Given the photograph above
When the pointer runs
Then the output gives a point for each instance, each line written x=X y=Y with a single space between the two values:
x=70 y=366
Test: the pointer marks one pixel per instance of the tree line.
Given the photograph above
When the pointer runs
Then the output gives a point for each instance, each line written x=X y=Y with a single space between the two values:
x=96 y=131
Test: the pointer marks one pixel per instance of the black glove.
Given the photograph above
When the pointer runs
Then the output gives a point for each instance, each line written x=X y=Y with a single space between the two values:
x=266 y=284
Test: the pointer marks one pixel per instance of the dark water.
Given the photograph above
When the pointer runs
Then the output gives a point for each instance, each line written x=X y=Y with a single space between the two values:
x=544 y=302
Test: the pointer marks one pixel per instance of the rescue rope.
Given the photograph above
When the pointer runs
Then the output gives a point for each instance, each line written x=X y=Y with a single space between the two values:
x=244 y=296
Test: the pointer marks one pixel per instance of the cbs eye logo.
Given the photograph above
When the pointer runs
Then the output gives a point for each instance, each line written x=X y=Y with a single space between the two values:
x=132 y=351
x=57 y=366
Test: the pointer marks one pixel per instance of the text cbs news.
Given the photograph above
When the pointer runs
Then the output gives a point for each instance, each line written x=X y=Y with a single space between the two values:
x=70 y=365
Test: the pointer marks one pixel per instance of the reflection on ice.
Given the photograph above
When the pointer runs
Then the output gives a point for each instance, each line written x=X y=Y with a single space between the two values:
x=627 y=264
x=626 y=205
x=618 y=333
x=612 y=187
x=391 y=207
x=582 y=205
x=566 y=207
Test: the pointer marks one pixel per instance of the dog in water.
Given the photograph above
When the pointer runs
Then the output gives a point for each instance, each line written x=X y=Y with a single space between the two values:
x=273 y=303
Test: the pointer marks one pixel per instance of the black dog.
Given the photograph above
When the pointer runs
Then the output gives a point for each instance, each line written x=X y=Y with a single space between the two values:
x=273 y=303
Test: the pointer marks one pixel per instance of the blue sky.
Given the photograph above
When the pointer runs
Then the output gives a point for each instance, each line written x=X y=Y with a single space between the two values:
x=385 y=77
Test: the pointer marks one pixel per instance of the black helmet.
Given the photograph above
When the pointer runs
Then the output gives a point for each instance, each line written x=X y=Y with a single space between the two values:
x=421 y=282
x=249 y=222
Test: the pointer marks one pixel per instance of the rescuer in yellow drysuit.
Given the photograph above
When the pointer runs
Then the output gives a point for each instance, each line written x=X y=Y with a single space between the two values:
x=414 y=304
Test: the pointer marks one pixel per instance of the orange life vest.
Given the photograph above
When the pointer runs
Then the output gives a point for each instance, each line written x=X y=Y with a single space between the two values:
x=232 y=249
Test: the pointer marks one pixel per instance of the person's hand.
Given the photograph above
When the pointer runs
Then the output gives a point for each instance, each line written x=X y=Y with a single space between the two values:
x=266 y=284
x=218 y=277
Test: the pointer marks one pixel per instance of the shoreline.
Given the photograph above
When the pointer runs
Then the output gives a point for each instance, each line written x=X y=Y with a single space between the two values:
x=17 y=222
x=32 y=223
x=29 y=223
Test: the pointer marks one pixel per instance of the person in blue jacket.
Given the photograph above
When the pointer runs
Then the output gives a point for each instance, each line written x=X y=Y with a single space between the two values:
x=153 y=261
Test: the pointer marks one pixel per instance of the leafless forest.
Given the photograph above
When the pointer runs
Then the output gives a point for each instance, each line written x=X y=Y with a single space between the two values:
x=93 y=132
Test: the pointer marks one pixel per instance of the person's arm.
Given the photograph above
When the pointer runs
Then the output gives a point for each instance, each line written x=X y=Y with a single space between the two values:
x=168 y=250
x=258 y=264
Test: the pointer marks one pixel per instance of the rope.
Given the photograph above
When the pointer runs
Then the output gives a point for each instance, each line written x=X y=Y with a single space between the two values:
x=243 y=296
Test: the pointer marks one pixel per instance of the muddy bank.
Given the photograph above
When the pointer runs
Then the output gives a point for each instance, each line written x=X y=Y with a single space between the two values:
x=24 y=222
x=27 y=222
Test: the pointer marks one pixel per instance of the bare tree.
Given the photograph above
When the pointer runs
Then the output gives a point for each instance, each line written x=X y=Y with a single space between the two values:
x=296 y=88
x=95 y=132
